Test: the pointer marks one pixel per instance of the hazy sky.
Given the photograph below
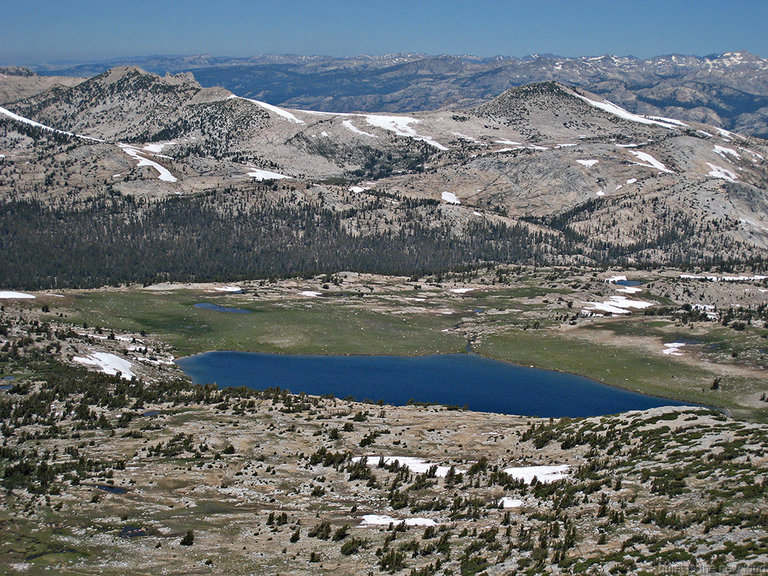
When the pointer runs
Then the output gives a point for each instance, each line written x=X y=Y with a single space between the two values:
x=55 y=30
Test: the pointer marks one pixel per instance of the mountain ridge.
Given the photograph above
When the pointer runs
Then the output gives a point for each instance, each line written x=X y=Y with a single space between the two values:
x=418 y=82
x=541 y=173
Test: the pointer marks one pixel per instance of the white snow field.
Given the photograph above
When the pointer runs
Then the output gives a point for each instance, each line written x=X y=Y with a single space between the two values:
x=381 y=520
x=400 y=125
x=725 y=152
x=545 y=474
x=617 y=278
x=507 y=502
x=416 y=465
x=349 y=126
x=450 y=198
x=260 y=175
x=649 y=161
x=156 y=147
x=673 y=349
x=163 y=173
x=668 y=121
x=282 y=112
x=10 y=295
x=13 y=116
x=719 y=172
x=107 y=363
x=616 y=305
x=612 y=108
x=755 y=278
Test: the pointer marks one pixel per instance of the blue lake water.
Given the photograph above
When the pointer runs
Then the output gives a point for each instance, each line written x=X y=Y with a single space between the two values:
x=479 y=383
x=217 y=308
x=629 y=283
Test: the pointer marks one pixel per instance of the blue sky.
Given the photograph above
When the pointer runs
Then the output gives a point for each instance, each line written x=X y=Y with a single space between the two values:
x=39 y=31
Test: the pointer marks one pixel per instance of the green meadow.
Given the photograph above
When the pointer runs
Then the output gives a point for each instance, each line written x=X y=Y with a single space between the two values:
x=348 y=323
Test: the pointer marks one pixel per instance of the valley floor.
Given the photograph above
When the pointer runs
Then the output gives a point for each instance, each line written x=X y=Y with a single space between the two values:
x=668 y=334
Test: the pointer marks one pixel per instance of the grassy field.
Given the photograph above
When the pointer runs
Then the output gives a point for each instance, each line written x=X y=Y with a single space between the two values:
x=311 y=326
x=617 y=365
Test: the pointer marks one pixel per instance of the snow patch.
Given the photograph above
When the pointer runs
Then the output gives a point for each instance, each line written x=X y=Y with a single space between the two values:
x=507 y=502
x=719 y=172
x=616 y=305
x=673 y=349
x=107 y=363
x=283 y=113
x=163 y=173
x=755 y=154
x=400 y=125
x=465 y=137
x=544 y=474
x=9 y=295
x=649 y=161
x=668 y=121
x=381 y=520
x=614 y=279
x=724 y=133
x=156 y=147
x=725 y=152
x=416 y=465
x=587 y=163
x=310 y=294
x=349 y=126
x=461 y=290
x=260 y=175
x=358 y=189
x=755 y=278
x=13 y=116
x=450 y=198
x=612 y=108
x=232 y=289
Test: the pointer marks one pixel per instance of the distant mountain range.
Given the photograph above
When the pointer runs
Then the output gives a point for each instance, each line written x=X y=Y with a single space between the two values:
x=727 y=90
x=131 y=176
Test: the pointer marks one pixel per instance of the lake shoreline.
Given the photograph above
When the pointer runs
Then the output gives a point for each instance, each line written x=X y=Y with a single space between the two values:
x=721 y=409
x=534 y=369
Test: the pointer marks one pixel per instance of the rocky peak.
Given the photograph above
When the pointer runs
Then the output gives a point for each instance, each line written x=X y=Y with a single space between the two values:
x=16 y=71
x=539 y=94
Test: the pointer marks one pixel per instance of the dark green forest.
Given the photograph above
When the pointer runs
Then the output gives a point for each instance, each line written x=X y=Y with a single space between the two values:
x=112 y=241
x=230 y=235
